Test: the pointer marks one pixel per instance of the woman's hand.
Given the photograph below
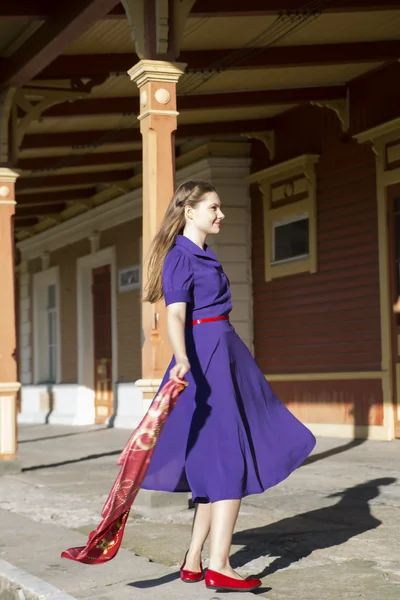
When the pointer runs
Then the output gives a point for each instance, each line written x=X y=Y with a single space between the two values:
x=179 y=371
x=396 y=307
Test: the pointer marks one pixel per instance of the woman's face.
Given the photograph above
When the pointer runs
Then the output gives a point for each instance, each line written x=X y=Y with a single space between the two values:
x=207 y=215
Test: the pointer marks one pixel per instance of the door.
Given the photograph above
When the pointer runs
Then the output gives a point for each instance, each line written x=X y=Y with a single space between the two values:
x=394 y=271
x=102 y=343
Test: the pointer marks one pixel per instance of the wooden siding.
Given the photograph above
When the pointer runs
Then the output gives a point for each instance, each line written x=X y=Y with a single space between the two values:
x=355 y=402
x=125 y=238
x=375 y=98
x=328 y=321
x=66 y=259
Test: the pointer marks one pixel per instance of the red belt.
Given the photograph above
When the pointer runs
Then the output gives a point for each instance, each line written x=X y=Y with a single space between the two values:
x=198 y=321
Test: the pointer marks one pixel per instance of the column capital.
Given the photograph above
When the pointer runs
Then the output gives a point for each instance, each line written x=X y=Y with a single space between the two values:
x=146 y=71
x=8 y=178
x=8 y=175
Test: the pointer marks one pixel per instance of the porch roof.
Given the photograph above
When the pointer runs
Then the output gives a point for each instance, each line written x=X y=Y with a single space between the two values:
x=247 y=63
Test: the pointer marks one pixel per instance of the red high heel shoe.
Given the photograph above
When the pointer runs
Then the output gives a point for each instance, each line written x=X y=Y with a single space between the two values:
x=223 y=583
x=191 y=576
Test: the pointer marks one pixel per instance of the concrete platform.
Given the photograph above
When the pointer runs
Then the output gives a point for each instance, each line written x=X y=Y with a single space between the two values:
x=329 y=531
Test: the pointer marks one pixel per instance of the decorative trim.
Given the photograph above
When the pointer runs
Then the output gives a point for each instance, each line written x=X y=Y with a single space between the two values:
x=340 y=107
x=380 y=131
x=163 y=113
x=380 y=136
x=94 y=240
x=122 y=209
x=9 y=387
x=285 y=169
x=8 y=202
x=282 y=172
x=267 y=138
x=8 y=175
x=328 y=376
x=156 y=70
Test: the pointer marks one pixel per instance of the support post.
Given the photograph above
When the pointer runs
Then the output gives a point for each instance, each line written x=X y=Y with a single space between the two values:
x=156 y=81
x=9 y=386
x=158 y=120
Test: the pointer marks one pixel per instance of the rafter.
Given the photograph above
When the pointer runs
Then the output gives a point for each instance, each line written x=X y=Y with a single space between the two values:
x=48 y=164
x=43 y=9
x=94 y=65
x=28 y=183
x=258 y=8
x=294 y=56
x=133 y=135
x=69 y=21
x=24 y=222
x=38 y=211
x=46 y=198
x=117 y=106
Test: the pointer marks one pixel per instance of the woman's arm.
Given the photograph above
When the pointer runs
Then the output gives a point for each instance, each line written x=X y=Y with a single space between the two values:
x=176 y=319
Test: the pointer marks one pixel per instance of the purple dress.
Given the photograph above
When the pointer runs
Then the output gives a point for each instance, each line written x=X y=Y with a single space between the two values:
x=229 y=436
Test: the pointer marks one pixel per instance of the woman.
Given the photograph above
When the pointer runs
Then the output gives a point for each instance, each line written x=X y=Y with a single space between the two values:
x=228 y=436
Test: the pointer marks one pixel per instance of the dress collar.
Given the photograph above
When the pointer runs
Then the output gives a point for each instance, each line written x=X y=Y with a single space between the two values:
x=184 y=241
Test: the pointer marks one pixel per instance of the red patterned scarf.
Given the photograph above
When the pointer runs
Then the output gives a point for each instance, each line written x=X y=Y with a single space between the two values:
x=104 y=542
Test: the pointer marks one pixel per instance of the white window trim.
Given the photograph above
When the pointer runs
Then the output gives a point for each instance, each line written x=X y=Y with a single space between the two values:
x=85 y=265
x=42 y=280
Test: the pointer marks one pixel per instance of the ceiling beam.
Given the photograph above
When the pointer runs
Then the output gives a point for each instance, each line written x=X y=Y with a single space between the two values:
x=38 y=211
x=24 y=222
x=69 y=21
x=43 y=9
x=118 y=106
x=46 y=198
x=293 y=56
x=95 y=65
x=29 y=183
x=133 y=135
x=47 y=163
x=258 y=8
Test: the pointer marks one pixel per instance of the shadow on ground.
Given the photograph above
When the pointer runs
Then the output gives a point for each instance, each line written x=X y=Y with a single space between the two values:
x=294 y=538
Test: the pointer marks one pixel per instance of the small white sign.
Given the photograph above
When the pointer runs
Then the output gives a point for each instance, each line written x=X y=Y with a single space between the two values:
x=129 y=278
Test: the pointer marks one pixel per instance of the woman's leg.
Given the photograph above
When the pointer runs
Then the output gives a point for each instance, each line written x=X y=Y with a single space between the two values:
x=200 y=531
x=223 y=519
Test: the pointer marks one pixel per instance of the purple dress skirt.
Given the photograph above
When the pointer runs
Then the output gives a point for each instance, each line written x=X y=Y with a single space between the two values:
x=229 y=435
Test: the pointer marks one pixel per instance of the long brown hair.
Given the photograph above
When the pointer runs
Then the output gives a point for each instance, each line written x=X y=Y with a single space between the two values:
x=189 y=193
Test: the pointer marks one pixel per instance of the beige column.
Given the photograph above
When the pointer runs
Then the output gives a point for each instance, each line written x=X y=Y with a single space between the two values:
x=8 y=370
x=156 y=81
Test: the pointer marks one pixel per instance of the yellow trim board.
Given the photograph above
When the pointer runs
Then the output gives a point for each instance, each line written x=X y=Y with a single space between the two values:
x=327 y=376
x=371 y=432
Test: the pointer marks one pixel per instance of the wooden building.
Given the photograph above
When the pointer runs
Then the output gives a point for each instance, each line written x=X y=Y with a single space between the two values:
x=291 y=108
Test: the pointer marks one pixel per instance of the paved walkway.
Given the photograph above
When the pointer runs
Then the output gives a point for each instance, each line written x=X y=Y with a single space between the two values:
x=329 y=531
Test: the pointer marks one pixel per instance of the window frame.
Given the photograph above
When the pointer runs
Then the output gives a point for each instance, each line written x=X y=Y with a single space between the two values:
x=289 y=189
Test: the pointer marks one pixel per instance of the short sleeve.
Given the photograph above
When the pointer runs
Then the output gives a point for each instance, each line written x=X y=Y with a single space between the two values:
x=177 y=277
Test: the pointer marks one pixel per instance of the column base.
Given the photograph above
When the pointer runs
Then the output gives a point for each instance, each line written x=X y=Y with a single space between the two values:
x=128 y=406
x=149 y=388
x=8 y=421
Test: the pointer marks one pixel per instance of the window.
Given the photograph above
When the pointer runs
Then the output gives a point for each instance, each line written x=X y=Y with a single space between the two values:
x=291 y=239
x=290 y=226
x=46 y=326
